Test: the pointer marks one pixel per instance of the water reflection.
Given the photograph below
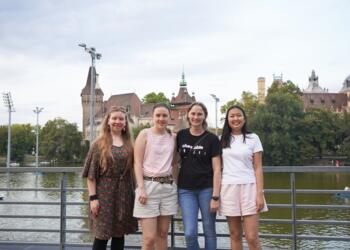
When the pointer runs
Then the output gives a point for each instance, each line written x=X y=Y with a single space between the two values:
x=272 y=180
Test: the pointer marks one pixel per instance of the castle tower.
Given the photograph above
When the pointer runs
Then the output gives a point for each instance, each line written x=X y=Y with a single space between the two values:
x=85 y=101
x=314 y=86
x=261 y=90
x=346 y=90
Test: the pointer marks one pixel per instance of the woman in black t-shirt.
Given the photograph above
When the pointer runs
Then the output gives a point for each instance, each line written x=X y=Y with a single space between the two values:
x=199 y=177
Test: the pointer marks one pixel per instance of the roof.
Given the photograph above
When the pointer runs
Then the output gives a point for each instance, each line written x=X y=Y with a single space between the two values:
x=314 y=86
x=126 y=100
x=182 y=97
x=346 y=85
x=87 y=89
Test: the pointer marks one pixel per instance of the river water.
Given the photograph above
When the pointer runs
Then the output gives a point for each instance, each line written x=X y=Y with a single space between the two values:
x=272 y=180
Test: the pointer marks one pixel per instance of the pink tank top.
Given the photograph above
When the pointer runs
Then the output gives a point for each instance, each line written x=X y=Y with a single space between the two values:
x=159 y=154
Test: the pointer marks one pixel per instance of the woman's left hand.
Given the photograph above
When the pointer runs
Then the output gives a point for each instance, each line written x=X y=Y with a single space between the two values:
x=214 y=206
x=260 y=202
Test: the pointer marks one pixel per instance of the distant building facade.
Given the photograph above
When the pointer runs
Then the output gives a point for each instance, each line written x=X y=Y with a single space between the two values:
x=138 y=112
x=314 y=96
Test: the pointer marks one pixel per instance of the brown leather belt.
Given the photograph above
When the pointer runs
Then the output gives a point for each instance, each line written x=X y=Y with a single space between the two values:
x=161 y=179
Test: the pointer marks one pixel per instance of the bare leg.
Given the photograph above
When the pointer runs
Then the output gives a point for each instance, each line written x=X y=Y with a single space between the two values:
x=251 y=230
x=149 y=232
x=235 y=227
x=162 y=234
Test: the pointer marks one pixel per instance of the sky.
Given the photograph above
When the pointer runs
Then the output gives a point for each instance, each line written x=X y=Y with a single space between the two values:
x=223 y=47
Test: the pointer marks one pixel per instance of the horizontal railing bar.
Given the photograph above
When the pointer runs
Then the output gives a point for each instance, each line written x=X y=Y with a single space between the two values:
x=30 y=216
x=265 y=221
x=308 y=206
x=269 y=191
x=267 y=169
x=30 y=203
x=43 y=189
x=324 y=238
x=30 y=230
x=28 y=243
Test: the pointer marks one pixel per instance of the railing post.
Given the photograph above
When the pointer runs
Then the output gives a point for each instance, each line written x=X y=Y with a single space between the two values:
x=63 y=211
x=294 y=211
x=172 y=233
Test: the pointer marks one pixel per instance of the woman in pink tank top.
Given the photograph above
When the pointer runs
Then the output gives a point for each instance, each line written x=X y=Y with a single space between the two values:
x=156 y=193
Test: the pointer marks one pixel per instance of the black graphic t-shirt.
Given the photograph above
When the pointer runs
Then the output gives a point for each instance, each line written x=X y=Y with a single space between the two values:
x=196 y=170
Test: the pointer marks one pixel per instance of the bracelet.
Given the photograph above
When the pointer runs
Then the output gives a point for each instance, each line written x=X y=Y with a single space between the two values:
x=93 y=197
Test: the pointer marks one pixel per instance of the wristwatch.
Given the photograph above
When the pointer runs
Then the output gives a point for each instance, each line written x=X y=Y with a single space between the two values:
x=93 y=197
x=215 y=198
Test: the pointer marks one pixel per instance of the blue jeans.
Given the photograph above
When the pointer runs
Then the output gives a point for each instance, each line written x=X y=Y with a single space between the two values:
x=191 y=201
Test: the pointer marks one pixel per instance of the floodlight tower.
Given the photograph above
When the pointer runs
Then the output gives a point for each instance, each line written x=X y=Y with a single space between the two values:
x=216 y=99
x=9 y=104
x=94 y=55
x=37 y=112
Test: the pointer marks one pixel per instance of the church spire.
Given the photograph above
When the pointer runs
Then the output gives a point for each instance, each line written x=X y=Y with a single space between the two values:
x=183 y=82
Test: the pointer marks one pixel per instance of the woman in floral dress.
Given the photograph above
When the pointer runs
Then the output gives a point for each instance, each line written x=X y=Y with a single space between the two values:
x=108 y=169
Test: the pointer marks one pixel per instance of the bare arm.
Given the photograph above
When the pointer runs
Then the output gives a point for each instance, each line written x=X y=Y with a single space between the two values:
x=139 y=151
x=94 y=205
x=257 y=162
x=216 y=162
x=175 y=162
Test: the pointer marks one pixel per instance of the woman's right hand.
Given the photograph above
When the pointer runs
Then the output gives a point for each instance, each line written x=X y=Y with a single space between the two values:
x=142 y=195
x=94 y=207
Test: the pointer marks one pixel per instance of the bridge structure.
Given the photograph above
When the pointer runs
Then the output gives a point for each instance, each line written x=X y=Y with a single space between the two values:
x=61 y=242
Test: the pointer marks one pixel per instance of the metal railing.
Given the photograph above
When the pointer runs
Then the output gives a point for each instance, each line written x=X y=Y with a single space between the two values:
x=292 y=191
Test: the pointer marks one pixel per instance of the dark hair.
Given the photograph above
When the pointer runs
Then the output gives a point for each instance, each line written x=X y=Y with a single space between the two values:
x=162 y=105
x=226 y=130
x=205 y=110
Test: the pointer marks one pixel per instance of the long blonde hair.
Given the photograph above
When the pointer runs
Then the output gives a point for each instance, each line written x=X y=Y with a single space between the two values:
x=104 y=141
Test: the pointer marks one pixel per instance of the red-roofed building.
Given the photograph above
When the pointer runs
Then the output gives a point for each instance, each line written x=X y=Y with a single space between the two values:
x=138 y=112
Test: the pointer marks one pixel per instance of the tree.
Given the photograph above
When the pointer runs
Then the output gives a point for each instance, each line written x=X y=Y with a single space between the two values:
x=284 y=87
x=22 y=141
x=320 y=133
x=137 y=130
x=249 y=102
x=278 y=124
x=61 y=141
x=155 y=98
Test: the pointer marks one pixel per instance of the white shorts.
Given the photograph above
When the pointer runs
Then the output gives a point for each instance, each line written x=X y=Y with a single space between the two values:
x=238 y=200
x=161 y=200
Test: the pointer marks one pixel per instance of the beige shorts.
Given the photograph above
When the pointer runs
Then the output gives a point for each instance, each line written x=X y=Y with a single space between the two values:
x=238 y=200
x=161 y=200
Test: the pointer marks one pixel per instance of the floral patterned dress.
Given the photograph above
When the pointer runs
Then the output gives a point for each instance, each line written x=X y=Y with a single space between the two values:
x=115 y=190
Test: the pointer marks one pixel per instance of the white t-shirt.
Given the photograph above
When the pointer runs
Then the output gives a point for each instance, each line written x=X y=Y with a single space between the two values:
x=238 y=159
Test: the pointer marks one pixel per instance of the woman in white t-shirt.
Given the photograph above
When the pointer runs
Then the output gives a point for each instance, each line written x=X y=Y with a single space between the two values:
x=242 y=194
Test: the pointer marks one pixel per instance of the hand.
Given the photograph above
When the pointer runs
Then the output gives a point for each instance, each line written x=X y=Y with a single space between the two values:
x=142 y=195
x=94 y=207
x=260 y=202
x=214 y=206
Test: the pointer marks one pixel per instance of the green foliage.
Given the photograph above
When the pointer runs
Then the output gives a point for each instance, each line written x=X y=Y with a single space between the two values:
x=249 y=102
x=320 y=134
x=155 y=98
x=22 y=141
x=137 y=130
x=61 y=141
x=284 y=87
x=278 y=125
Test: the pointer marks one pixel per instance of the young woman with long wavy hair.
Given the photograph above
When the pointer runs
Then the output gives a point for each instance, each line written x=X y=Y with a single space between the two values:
x=108 y=169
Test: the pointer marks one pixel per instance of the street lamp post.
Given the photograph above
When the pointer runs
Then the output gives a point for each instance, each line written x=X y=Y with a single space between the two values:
x=9 y=104
x=37 y=112
x=94 y=55
x=216 y=99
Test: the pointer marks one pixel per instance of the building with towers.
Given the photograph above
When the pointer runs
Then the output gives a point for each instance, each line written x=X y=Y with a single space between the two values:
x=314 y=96
x=138 y=113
